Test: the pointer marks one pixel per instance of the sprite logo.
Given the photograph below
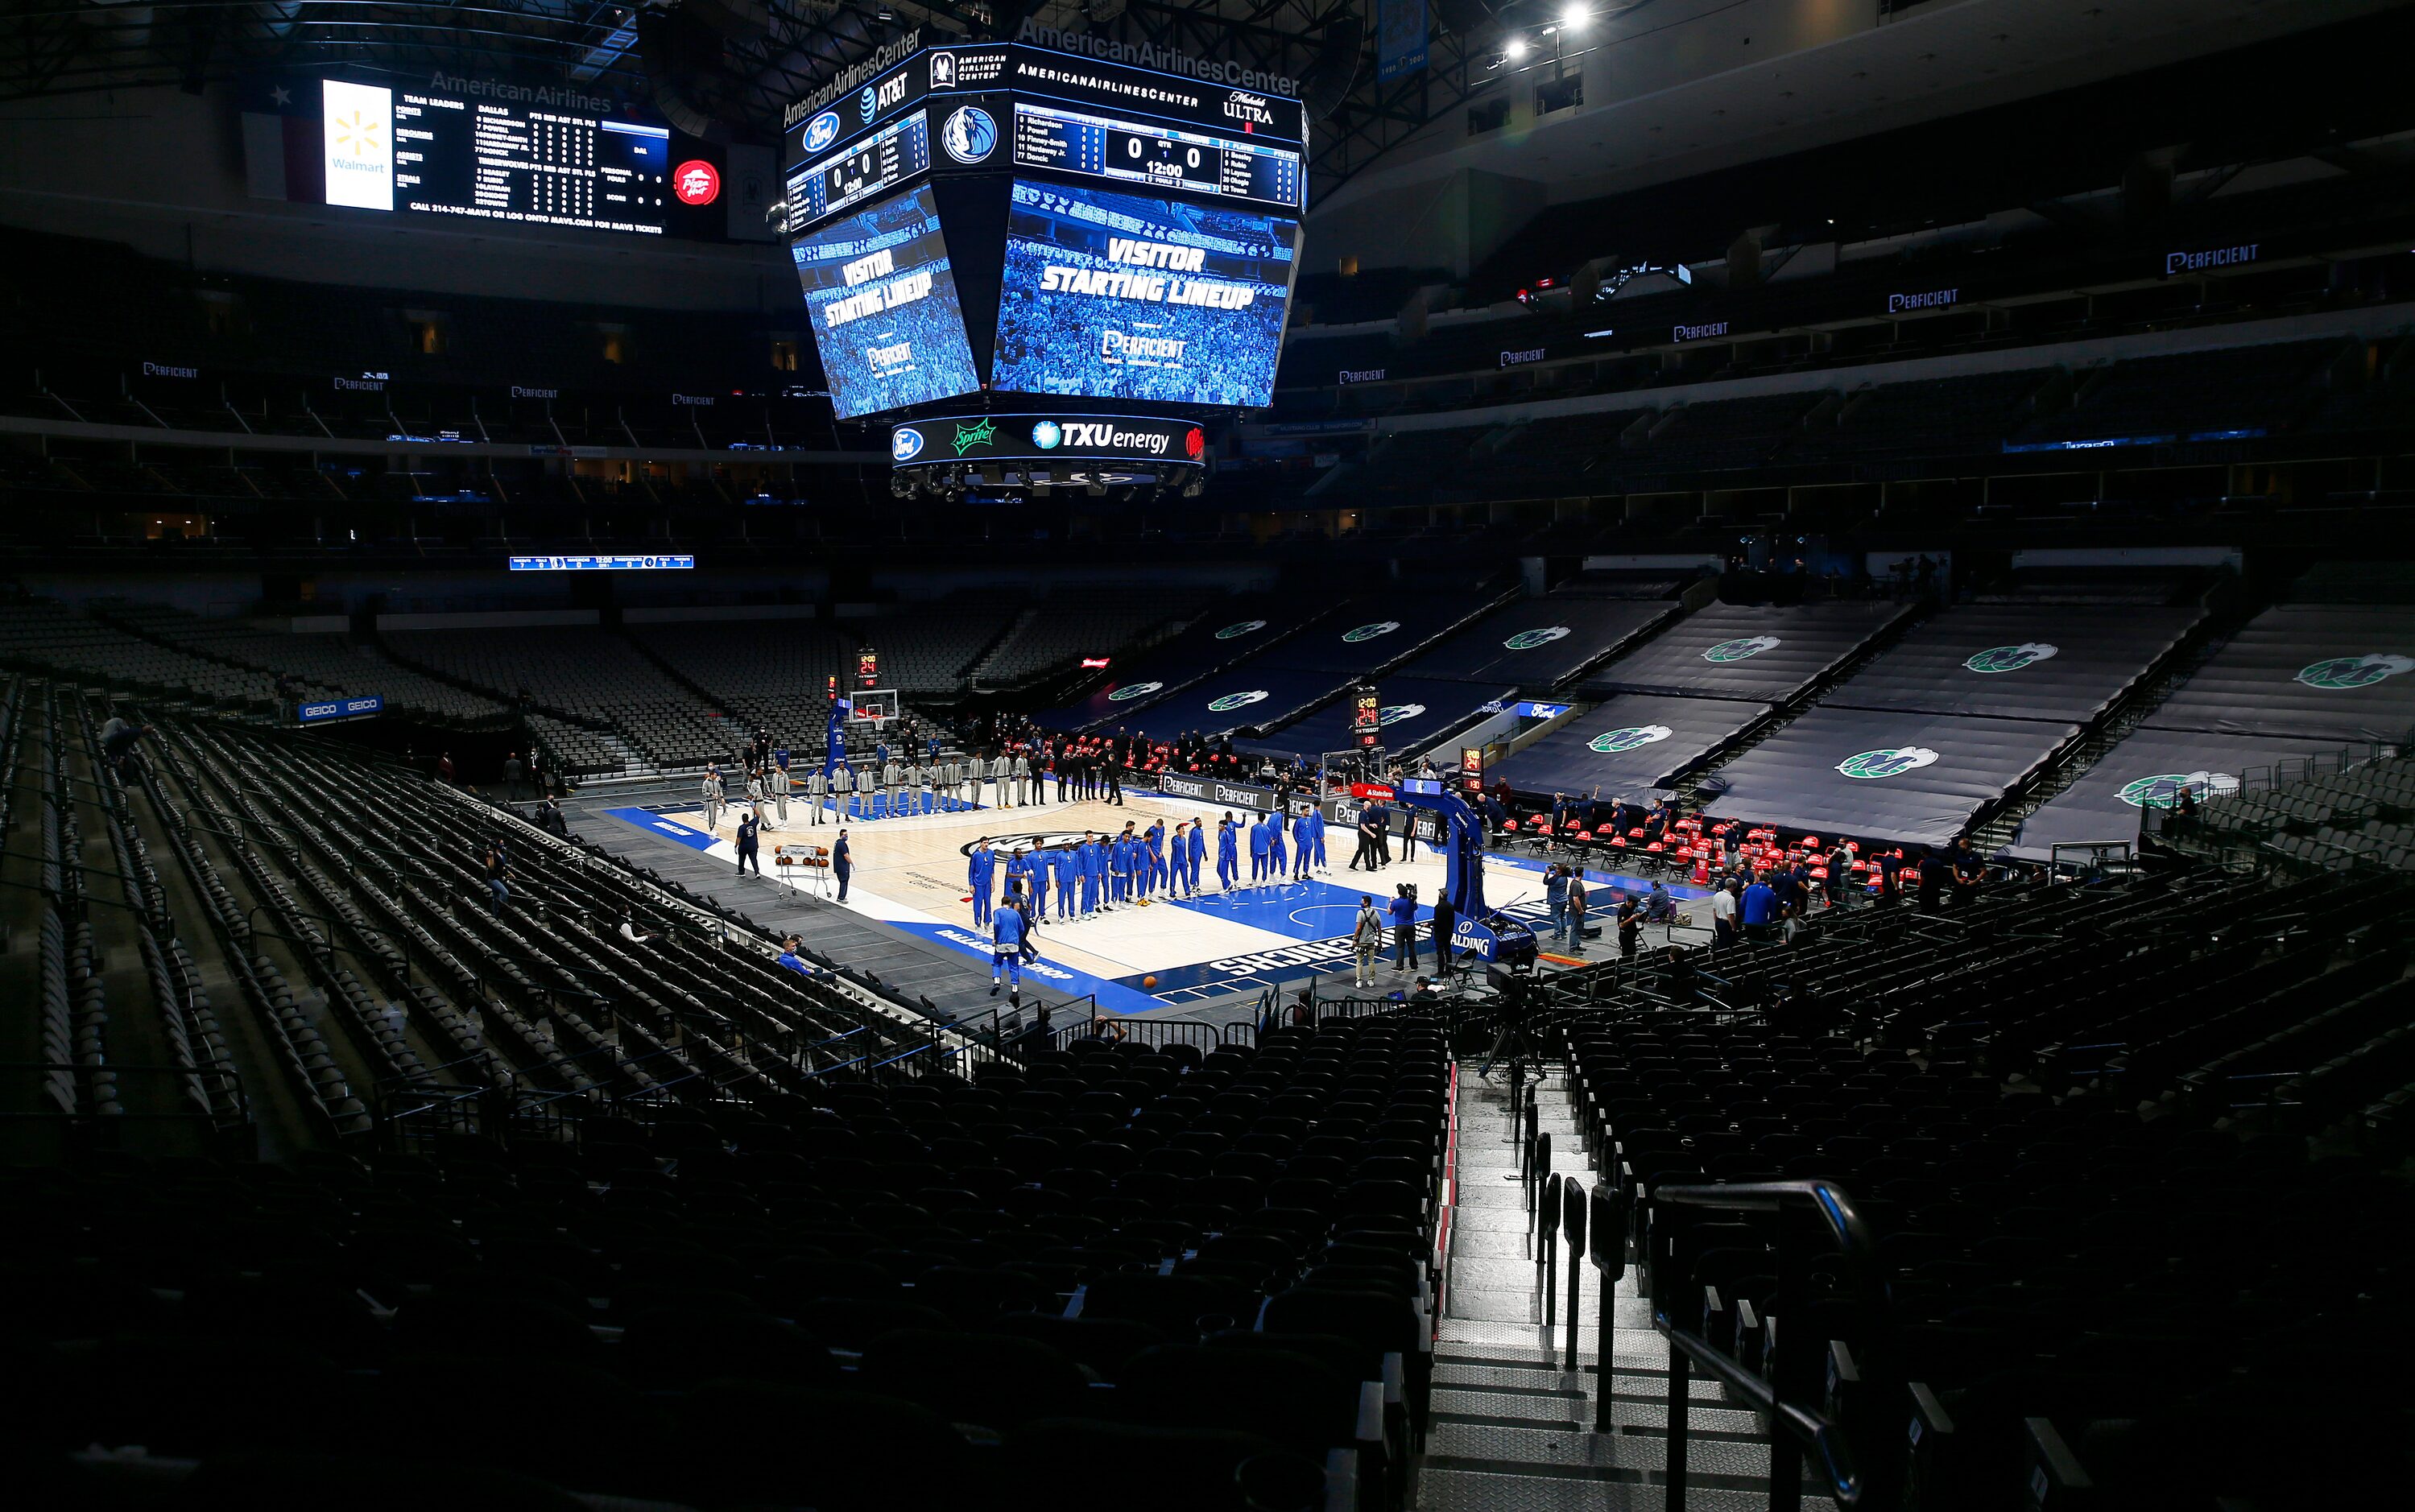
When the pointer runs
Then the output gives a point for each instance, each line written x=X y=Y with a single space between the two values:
x=1871 y=764
x=1239 y=700
x=1628 y=739
x=2354 y=671
x=1394 y=713
x=1234 y=632
x=2164 y=789
x=1133 y=691
x=971 y=436
x=1529 y=639
x=2012 y=658
x=1369 y=632
x=1738 y=651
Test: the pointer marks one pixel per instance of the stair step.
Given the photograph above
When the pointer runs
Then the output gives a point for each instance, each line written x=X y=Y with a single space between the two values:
x=1456 y=1490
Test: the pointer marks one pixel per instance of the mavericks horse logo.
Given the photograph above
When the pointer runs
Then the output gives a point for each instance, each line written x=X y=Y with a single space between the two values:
x=1628 y=739
x=1235 y=631
x=1237 y=701
x=2011 y=658
x=2354 y=671
x=1738 y=651
x=1369 y=632
x=1870 y=765
x=1529 y=639
x=2164 y=789
x=1133 y=691
x=1394 y=713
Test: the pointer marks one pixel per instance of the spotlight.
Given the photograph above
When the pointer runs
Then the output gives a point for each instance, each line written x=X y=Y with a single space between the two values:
x=1575 y=18
x=1516 y=49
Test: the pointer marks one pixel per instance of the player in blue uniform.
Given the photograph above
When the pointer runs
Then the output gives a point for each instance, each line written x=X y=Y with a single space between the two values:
x=1316 y=834
x=1276 y=868
x=1197 y=853
x=1006 y=948
x=1257 y=851
x=1066 y=871
x=979 y=874
x=1157 y=875
x=1018 y=874
x=1228 y=854
x=1119 y=870
x=1303 y=846
x=1039 y=886
x=1092 y=867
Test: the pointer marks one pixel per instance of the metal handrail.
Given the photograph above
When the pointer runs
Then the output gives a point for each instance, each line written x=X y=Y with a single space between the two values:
x=1812 y=1429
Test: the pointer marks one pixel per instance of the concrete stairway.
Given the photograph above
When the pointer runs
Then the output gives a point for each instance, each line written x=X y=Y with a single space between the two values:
x=1513 y=1416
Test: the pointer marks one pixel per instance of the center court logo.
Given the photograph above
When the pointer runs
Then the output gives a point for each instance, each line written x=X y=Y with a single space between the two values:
x=1133 y=691
x=1237 y=701
x=821 y=131
x=1394 y=713
x=1738 y=651
x=1628 y=739
x=2012 y=658
x=2164 y=789
x=1871 y=765
x=1046 y=434
x=1369 y=632
x=969 y=135
x=2353 y=671
x=1235 y=631
x=1529 y=639
x=971 y=436
x=906 y=446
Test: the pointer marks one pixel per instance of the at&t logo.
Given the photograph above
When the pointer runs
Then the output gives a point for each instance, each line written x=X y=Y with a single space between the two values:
x=2011 y=658
x=821 y=131
x=1628 y=739
x=1134 y=690
x=969 y=135
x=905 y=444
x=2164 y=789
x=1369 y=632
x=1529 y=639
x=1871 y=765
x=1235 y=631
x=1738 y=651
x=1394 y=713
x=1237 y=701
x=2354 y=671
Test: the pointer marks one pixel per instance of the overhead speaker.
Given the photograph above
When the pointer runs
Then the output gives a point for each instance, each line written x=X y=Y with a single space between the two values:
x=682 y=88
x=1327 y=82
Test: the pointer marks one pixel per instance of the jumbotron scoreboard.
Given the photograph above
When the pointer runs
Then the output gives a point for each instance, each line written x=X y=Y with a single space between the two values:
x=1103 y=250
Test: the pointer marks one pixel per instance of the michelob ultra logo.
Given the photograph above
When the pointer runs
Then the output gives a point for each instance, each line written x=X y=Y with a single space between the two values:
x=1133 y=691
x=1234 y=632
x=1529 y=639
x=1738 y=650
x=2012 y=658
x=1629 y=737
x=2353 y=671
x=1369 y=632
x=1239 y=700
x=1870 y=765
x=2164 y=789
x=1394 y=713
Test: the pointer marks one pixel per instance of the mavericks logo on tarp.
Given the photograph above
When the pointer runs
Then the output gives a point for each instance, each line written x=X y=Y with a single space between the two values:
x=1239 y=700
x=1738 y=651
x=1234 y=632
x=1133 y=691
x=1894 y=763
x=2164 y=789
x=1369 y=632
x=1394 y=713
x=1628 y=739
x=2354 y=671
x=2012 y=658
x=1529 y=639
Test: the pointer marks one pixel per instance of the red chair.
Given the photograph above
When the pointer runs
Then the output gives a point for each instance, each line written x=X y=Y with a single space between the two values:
x=1701 y=872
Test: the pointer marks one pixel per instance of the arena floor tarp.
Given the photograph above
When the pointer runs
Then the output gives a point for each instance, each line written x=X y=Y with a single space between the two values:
x=1536 y=643
x=1750 y=651
x=1625 y=745
x=2149 y=767
x=1370 y=632
x=1251 y=694
x=1223 y=636
x=2307 y=672
x=2057 y=662
x=1902 y=779
x=1417 y=711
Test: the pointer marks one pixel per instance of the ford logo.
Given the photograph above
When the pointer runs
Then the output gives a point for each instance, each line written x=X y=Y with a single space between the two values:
x=821 y=131
x=905 y=444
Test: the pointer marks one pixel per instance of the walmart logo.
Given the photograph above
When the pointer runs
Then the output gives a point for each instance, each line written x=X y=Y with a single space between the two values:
x=1369 y=632
x=1871 y=765
x=1239 y=700
x=2011 y=658
x=1529 y=639
x=1739 y=651
x=971 y=436
x=2353 y=671
x=1629 y=737
x=2164 y=789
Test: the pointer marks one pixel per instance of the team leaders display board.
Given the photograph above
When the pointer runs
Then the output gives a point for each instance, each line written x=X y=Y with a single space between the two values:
x=1115 y=296
x=881 y=293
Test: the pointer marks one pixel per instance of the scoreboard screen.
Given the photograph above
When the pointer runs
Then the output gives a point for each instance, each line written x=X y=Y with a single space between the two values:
x=866 y=170
x=1169 y=158
x=880 y=292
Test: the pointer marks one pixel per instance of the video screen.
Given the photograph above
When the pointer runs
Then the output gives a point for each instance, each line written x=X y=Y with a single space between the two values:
x=1115 y=296
x=883 y=298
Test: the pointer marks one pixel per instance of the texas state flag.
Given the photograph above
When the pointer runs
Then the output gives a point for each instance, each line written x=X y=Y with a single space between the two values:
x=284 y=141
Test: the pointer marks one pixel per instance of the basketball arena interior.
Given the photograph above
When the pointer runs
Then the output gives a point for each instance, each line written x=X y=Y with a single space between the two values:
x=700 y=701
